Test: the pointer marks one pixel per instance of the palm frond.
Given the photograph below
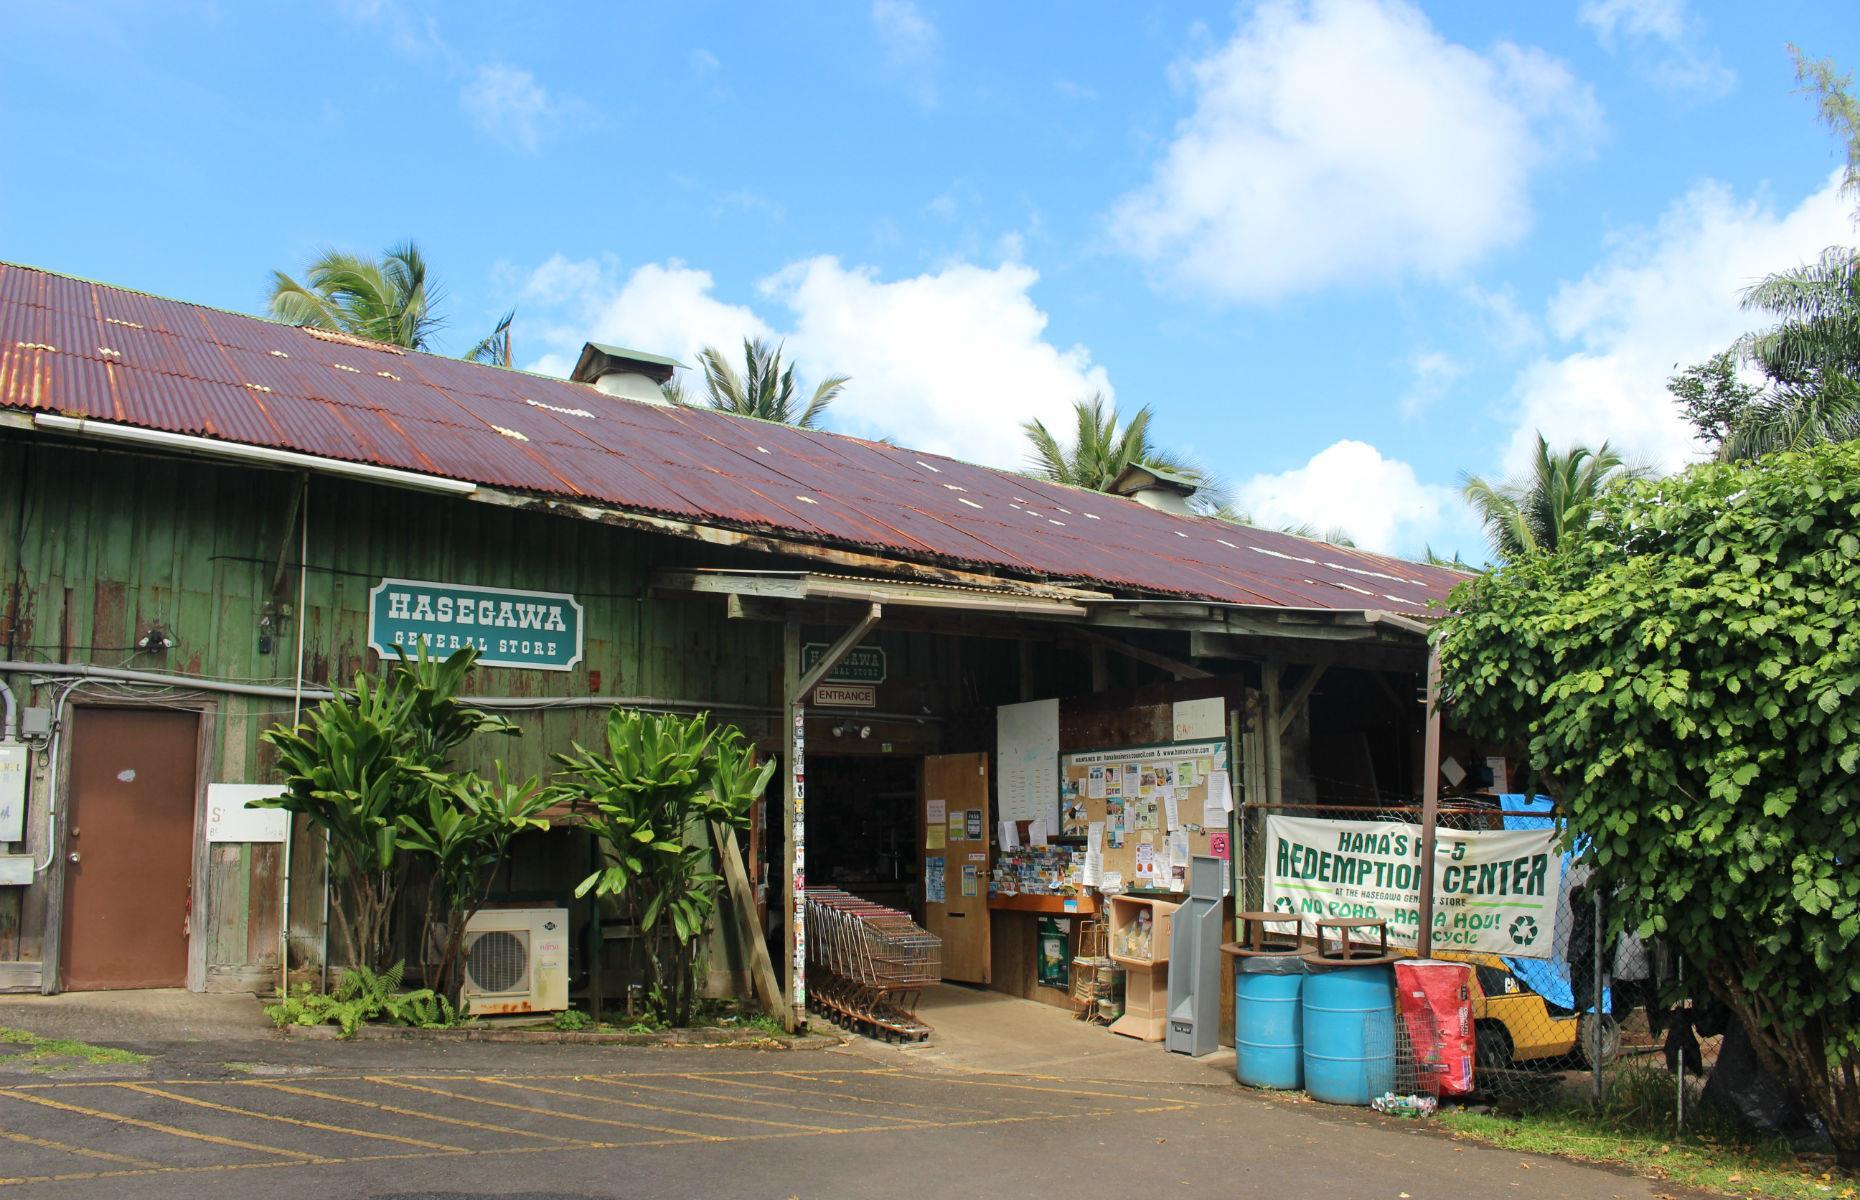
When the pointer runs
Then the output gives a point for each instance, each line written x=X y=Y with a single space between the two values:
x=494 y=347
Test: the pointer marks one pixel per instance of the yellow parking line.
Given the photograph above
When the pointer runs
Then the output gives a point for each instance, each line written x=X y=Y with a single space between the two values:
x=302 y=1123
x=546 y=1112
x=158 y=1127
x=684 y=1112
x=49 y=1144
x=889 y=1103
x=482 y=1126
x=627 y=1081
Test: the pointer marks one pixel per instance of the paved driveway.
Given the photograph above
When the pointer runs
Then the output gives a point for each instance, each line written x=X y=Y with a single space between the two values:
x=580 y=1121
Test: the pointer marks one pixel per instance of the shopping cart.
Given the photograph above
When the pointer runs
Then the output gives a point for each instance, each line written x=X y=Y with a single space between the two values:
x=867 y=965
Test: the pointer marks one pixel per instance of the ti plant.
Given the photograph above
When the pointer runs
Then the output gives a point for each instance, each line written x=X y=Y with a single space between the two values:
x=648 y=799
x=464 y=829
x=362 y=765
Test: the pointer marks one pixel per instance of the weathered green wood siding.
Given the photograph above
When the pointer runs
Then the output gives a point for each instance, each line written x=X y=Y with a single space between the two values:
x=97 y=546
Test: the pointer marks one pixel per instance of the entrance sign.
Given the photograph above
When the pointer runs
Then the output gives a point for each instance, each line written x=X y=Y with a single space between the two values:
x=1495 y=891
x=846 y=695
x=862 y=664
x=540 y=631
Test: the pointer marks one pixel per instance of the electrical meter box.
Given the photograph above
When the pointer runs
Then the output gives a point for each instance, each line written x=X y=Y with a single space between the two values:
x=12 y=791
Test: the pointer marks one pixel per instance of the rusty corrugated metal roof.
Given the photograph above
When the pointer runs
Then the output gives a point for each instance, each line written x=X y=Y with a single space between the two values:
x=86 y=349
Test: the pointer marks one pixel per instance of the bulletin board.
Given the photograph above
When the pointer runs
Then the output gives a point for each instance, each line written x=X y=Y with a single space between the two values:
x=1134 y=791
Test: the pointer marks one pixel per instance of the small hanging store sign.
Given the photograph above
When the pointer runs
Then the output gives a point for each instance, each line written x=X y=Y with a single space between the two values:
x=536 y=630
x=862 y=664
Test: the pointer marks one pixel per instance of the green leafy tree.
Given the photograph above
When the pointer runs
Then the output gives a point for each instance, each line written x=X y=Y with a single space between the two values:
x=360 y=765
x=1103 y=448
x=764 y=388
x=1715 y=401
x=1535 y=513
x=388 y=299
x=652 y=798
x=1683 y=670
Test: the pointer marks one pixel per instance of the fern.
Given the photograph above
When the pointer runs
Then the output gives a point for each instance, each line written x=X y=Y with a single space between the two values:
x=363 y=995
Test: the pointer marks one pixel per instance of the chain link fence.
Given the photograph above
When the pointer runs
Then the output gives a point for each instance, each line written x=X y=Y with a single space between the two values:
x=1573 y=1014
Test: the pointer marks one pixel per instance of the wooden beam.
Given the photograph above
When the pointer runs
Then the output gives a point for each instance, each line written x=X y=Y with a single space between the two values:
x=1430 y=808
x=1175 y=666
x=1300 y=694
x=285 y=539
x=1274 y=773
x=835 y=653
x=748 y=929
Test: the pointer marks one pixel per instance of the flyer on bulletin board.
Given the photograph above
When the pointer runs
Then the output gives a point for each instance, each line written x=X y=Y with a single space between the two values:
x=934 y=890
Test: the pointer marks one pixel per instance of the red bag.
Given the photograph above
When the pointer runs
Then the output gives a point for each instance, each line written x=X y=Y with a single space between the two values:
x=1435 y=998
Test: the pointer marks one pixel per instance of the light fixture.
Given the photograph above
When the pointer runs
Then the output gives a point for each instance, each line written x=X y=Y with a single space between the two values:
x=154 y=641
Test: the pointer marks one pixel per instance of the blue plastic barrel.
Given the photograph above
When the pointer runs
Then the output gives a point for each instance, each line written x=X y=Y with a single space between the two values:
x=1268 y=1026
x=1349 y=1034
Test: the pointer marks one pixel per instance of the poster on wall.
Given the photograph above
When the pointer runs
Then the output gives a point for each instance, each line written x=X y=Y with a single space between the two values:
x=1027 y=761
x=935 y=885
x=1495 y=891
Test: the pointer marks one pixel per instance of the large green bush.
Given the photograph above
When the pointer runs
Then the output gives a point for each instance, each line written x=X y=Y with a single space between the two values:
x=1684 y=673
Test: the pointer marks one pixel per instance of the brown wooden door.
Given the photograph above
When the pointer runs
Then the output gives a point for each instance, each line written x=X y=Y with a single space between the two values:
x=956 y=786
x=131 y=823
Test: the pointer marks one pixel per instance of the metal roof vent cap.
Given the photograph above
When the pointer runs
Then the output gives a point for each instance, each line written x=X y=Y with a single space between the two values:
x=628 y=374
x=1157 y=489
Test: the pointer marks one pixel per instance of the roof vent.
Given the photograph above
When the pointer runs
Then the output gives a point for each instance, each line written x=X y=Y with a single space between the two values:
x=1156 y=489
x=629 y=374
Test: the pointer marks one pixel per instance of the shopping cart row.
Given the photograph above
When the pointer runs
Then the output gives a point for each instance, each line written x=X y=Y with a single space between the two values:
x=867 y=965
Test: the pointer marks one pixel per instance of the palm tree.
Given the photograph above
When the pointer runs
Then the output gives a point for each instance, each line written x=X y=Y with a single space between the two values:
x=1533 y=515
x=1811 y=357
x=1101 y=451
x=765 y=388
x=389 y=299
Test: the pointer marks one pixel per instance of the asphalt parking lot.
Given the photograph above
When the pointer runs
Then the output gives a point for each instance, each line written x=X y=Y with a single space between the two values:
x=596 y=1122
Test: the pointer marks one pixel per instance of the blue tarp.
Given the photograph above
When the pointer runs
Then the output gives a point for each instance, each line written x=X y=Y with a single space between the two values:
x=1549 y=978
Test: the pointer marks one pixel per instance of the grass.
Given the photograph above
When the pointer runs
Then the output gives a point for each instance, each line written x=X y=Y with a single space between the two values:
x=1633 y=1128
x=39 y=1049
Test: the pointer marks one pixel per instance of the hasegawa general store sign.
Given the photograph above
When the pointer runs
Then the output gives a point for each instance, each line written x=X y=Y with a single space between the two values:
x=537 y=630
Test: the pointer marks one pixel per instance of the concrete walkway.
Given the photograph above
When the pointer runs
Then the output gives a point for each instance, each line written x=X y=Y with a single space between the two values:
x=982 y=1030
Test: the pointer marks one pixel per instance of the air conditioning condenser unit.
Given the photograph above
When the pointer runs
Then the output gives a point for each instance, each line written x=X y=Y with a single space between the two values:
x=516 y=961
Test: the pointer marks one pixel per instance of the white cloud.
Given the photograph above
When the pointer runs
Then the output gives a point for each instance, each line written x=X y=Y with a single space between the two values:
x=1349 y=485
x=508 y=105
x=1347 y=141
x=910 y=41
x=952 y=361
x=1666 y=40
x=1432 y=373
x=1661 y=300
x=662 y=308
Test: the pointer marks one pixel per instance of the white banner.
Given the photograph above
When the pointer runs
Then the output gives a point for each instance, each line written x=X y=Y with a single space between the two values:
x=1495 y=891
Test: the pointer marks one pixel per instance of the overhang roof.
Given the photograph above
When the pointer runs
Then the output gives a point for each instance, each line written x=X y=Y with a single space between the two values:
x=89 y=350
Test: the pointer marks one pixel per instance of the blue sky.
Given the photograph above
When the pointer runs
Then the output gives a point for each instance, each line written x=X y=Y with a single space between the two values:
x=1348 y=249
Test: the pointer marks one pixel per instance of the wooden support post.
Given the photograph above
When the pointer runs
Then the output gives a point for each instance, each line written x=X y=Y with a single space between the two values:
x=794 y=823
x=1270 y=673
x=1430 y=807
x=749 y=930
x=1100 y=668
x=796 y=684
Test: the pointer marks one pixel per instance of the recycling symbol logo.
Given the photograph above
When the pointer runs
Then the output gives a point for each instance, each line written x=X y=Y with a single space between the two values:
x=1283 y=904
x=1524 y=930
